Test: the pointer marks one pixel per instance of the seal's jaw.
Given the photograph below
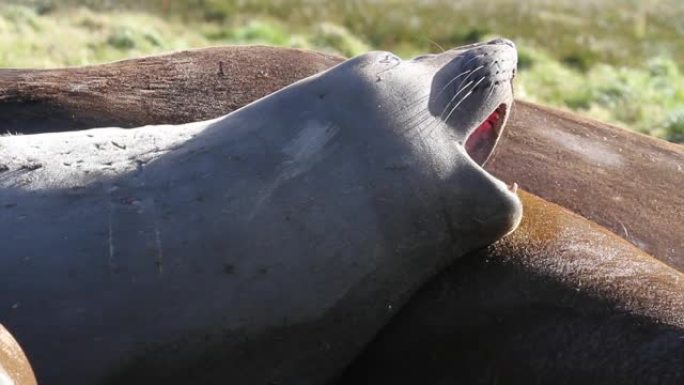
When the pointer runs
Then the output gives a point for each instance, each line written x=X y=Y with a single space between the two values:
x=482 y=140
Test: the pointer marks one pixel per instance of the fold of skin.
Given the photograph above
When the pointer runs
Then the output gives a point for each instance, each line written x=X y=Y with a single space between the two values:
x=559 y=301
x=541 y=304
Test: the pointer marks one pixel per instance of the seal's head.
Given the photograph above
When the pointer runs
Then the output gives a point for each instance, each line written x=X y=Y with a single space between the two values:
x=449 y=109
x=475 y=92
x=391 y=146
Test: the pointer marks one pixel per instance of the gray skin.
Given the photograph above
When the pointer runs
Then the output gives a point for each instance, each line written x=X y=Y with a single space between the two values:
x=266 y=246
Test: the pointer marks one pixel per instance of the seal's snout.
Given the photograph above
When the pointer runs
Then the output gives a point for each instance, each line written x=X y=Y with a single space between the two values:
x=474 y=85
x=489 y=64
x=472 y=92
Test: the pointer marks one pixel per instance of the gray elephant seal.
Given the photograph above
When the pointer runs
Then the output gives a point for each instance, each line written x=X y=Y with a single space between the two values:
x=268 y=245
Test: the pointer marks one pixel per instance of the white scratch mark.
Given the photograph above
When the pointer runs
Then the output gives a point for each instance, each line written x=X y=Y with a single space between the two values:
x=303 y=152
x=633 y=240
x=625 y=230
x=591 y=150
x=308 y=143
x=78 y=88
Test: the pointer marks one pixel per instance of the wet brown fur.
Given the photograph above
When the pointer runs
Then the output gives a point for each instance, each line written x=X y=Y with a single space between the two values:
x=175 y=88
x=559 y=301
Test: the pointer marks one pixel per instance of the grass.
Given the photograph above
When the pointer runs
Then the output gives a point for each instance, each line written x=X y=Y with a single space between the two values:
x=616 y=60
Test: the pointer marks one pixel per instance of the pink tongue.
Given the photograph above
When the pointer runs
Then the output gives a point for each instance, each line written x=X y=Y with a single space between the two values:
x=481 y=141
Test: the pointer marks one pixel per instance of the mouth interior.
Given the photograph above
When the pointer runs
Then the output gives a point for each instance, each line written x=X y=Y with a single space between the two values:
x=481 y=142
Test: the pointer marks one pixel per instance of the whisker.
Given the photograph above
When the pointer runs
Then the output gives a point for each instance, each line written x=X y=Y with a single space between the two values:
x=472 y=89
x=418 y=119
x=453 y=80
x=432 y=127
x=411 y=107
x=428 y=95
x=471 y=59
x=491 y=91
x=458 y=104
x=472 y=73
x=474 y=86
x=435 y=43
x=446 y=107
x=511 y=110
x=478 y=82
x=425 y=119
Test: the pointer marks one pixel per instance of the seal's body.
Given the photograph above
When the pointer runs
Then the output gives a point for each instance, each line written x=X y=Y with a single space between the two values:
x=267 y=245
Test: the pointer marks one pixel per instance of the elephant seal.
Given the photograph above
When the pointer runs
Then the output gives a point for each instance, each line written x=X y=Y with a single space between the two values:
x=268 y=245
x=599 y=171
x=15 y=369
x=181 y=87
x=559 y=301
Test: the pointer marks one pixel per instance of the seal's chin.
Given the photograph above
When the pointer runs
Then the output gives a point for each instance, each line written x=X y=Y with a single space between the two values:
x=481 y=142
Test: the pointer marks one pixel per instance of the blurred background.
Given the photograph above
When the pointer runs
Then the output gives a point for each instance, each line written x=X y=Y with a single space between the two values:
x=620 y=61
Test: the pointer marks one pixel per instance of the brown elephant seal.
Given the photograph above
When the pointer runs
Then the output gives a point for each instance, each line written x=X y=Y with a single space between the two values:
x=267 y=245
x=15 y=368
x=624 y=181
x=175 y=88
x=559 y=301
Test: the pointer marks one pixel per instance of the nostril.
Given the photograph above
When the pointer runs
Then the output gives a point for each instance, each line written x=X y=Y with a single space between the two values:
x=501 y=41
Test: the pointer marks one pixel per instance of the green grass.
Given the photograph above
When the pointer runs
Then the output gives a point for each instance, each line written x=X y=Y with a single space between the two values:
x=616 y=60
x=648 y=99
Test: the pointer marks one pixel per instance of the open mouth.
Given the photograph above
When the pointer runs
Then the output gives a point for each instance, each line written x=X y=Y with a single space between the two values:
x=481 y=142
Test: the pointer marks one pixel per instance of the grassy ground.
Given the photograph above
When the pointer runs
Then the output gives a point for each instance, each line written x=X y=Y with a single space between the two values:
x=616 y=60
